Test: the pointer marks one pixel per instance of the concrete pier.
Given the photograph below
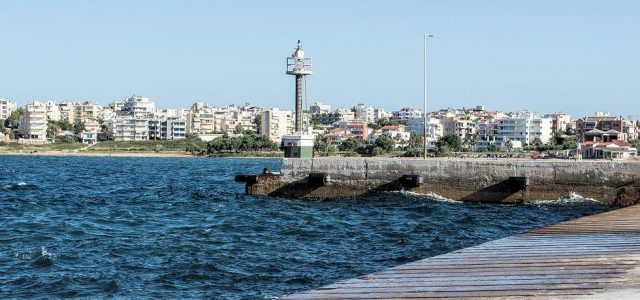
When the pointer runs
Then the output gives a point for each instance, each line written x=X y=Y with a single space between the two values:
x=486 y=180
x=594 y=257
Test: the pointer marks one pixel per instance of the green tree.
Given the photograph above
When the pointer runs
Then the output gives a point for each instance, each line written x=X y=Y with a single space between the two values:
x=78 y=128
x=386 y=143
x=509 y=145
x=374 y=126
x=492 y=147
x=321 y=144
x=413 y=152
x=415 y=140
x=377 y=151
x=13 y=121
x=537 y=142
x=247 y=142
x=351 y=144
x=569 y=144
x=65 y=139
x=257 y=122
x=449 y=142
x=52 y=129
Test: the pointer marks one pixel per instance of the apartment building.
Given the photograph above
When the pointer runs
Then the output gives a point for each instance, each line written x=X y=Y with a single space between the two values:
x=359 y=129
x=276 y=123
x=332 y=117
x=6 y=108
x=560 y=122
x=67 y=111
x=364 y=113
x=33 y=123
x=464 y=127
x=319 y=108
x=167 y=129
x=603 y=127
x=86 y=111
x=127 y=128
x=406 y=113
x=525 y=127
x=138 y=107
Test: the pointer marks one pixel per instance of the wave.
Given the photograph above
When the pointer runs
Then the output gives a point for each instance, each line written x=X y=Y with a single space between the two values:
x=430 y=196
x=40 y=258
x=20 y=186
x=571 y=198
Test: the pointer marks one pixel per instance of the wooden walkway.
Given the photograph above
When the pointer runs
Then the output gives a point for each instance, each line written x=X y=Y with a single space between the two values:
x=595 y=257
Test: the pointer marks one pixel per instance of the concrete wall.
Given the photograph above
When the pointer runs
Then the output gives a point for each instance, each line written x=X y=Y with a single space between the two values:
x=463 y=179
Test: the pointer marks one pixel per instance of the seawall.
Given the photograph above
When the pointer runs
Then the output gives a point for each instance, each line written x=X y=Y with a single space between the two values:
x=485 y=180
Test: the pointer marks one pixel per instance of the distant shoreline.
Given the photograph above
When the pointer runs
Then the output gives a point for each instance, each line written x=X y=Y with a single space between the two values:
x=97 y=153
x=119 y=154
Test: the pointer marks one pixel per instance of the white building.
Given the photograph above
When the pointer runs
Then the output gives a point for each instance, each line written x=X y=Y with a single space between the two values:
x=381 y=114
x=138 y=107
x=435 y=129
x=405 y=114
x=6 y=108
x=320 y=108
x=525 y=127
x=33 y=123
x=84 y=111
x=560 y=122
x=364 y=113
x=200 y=119
x=67 y=111
x=53 y=111
x=129 y=129
x=90 y=133
x=276 y=123
x=167 y=129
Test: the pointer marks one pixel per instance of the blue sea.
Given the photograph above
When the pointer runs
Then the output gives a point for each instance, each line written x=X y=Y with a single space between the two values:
x=121 y=227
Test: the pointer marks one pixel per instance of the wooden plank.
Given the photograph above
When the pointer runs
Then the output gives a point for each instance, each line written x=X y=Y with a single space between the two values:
x=587 y=256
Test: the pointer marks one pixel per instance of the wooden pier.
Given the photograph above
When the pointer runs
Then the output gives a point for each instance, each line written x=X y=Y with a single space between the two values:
x=594 y=257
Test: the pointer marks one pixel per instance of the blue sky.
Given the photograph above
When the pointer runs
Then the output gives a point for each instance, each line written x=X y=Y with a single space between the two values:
x=573 y=56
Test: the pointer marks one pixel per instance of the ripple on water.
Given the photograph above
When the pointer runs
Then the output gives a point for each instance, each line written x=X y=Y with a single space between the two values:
x=37 y=258
x=180 y=228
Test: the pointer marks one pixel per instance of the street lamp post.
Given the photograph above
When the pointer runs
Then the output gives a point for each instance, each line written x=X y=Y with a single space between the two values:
x=424 y=113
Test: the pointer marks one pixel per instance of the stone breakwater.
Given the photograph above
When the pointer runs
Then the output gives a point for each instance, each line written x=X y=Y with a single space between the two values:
x=505 y=181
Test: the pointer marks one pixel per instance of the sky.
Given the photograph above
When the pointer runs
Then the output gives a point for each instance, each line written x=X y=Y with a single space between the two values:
x=547 y=56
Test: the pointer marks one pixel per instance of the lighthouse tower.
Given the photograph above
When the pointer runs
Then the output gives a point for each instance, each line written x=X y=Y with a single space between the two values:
x=299 y=66
x=299 y=144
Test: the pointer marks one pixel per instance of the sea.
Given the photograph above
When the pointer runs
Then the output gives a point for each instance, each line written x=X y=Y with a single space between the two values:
x=124 y=227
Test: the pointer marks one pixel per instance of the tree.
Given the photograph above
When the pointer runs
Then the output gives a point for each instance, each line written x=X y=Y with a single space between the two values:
x=321 y=144
x=65 y=139
x=377 y=151
x=78 y=128
x=247 y=142
x=374 y=126
x=351 y=144
x=52 y=129
x=13 y=121
x=415 y=140
x=509 y=145
x=386 y=143
x=635 y=143
x=537 y=142
x=569 y=145
x=257 y=122
x=492 y=147
x=449 y=142
x=414 y=152
x=469 y=143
